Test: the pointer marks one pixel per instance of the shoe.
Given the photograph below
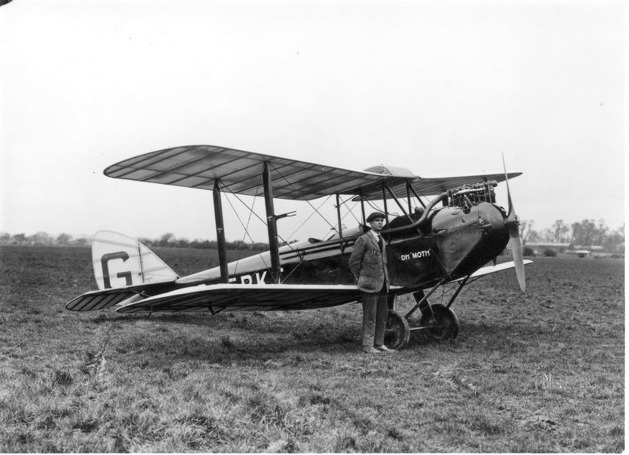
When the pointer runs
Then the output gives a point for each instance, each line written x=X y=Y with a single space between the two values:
x=370 y=350
x=383 y=348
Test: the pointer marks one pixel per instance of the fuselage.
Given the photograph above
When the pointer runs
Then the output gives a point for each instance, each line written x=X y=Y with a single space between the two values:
x=453 y=242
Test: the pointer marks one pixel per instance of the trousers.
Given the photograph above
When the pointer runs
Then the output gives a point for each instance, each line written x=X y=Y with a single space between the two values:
x=375 y=314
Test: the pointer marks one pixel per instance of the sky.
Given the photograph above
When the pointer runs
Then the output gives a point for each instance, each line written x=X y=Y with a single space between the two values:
x=438 y=87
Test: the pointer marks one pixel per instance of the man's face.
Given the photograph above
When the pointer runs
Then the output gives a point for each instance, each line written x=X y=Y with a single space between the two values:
x=377 y=224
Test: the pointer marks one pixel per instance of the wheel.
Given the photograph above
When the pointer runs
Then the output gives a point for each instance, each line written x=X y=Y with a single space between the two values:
x=397 y=332
x=444 y=326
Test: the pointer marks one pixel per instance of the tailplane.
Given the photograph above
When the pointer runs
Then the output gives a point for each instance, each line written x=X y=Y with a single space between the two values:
x=125 y=270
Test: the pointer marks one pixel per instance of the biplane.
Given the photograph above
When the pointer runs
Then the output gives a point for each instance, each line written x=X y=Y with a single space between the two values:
x=451 y=238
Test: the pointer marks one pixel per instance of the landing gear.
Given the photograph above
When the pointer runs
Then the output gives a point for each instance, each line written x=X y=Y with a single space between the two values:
x=397 y=332
x=437 y=322
x=440 y=325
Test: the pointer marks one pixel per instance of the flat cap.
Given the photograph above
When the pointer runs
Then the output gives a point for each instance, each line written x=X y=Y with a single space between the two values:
x=375 y=215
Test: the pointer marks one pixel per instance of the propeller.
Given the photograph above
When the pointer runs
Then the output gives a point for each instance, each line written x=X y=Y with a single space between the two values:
x=513 y=225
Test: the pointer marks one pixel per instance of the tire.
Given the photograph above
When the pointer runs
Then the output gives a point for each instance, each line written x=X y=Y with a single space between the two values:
x=444 y=326
x=397 y=332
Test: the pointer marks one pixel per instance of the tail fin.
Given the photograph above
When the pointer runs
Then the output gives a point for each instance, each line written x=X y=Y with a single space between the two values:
x=120 y=261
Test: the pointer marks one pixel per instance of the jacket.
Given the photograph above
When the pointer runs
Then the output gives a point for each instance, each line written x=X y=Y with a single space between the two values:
x=368 y=265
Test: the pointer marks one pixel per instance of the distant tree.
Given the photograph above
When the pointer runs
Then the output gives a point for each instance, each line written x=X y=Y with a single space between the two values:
x=199 y=244
x=546 y=235
x=582 y=232
x=80 y=242
x=587 y=233
x=560 y=232
x=19 y=239
x=600 y=233
x=527 y=233
x=40 y=238
x=63 y=239
x=615 y=240
x=183 y=243
x=166 y=239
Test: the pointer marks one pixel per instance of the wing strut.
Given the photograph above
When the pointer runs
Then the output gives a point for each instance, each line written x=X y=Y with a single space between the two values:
x=271 y=223
x=384 y=200
x=362 y=208
x=220 y=232
x=338 y=215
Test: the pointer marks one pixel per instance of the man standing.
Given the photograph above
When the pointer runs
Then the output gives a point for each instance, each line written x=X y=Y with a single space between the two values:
x=368 y=264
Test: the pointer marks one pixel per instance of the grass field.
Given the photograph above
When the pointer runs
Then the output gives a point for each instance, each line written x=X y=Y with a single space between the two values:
x=541 y=372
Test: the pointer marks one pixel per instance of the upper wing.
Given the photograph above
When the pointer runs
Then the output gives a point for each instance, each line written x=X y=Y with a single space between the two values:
x=267 y=297
x=435 y=185
x=240 y=172
x=428 y=186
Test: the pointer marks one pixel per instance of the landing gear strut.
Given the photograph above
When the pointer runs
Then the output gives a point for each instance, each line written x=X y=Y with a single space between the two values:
x=437 y=322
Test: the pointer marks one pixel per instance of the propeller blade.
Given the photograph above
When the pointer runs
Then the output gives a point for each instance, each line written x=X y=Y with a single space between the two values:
x=511 y=209
x=518 y=259
x=513 y=224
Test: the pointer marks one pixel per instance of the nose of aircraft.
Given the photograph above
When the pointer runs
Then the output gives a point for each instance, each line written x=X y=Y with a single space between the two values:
x=495 y=233
x=497 y=230
x=470 y=240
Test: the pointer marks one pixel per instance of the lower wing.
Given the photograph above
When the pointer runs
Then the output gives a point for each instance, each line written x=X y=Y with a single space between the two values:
x=492 y=269
x=233 y=297
x=219 y=297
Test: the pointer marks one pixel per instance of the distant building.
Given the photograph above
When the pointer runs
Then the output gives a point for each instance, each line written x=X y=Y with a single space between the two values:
x=540 y=247
x=592 y=248
x=582 y=253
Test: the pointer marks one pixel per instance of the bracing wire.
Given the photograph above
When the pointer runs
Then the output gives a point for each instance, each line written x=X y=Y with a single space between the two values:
x=373 y=206
x=250 y=214
x=310 y=204
x=311 y=215
x=256 y=215
x=246 y=232
x=240 y=220
x=349 y=209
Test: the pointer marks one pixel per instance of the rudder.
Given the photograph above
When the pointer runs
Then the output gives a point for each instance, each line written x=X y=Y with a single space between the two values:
x=120 y=261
